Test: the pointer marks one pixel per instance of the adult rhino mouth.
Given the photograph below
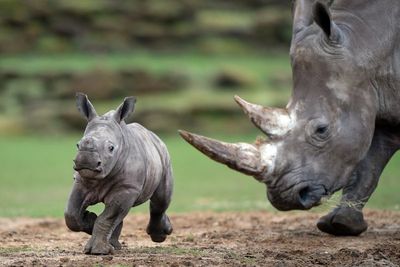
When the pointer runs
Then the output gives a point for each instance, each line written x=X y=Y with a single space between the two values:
x=299 y=196
x=311 y=196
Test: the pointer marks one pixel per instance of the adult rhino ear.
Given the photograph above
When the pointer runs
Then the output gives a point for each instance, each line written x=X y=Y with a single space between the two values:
x=322 y=16
x=125 y=109
x=85 y=107
x=302 y=15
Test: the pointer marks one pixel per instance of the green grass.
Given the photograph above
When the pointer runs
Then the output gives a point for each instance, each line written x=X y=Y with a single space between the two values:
x=36 y=178
x=192 y=62
x=201 y=68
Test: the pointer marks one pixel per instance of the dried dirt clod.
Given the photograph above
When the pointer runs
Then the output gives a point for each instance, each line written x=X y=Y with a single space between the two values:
x=107 y=258
x=64 y=260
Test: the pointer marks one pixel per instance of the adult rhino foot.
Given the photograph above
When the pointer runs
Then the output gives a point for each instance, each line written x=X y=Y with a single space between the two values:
x=158 y=230
x=343 y=221
x=98 y=247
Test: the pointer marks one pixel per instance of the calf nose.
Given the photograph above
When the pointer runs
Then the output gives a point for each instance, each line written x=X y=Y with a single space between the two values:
x=87 y=143
x=87 y=160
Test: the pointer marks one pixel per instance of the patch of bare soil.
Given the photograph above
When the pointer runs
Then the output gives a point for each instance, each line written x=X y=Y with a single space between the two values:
x=208 y=239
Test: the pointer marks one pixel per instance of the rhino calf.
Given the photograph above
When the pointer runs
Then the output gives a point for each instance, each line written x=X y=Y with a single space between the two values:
x=122 y=165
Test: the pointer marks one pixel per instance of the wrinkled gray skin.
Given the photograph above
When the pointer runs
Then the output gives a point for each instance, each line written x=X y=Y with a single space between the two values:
x=122 y=166
x=342 y=124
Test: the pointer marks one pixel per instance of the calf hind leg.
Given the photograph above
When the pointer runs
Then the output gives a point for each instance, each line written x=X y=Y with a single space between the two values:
x=159 y=225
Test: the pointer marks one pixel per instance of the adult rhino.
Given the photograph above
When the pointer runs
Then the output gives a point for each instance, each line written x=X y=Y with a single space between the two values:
x=342 y=123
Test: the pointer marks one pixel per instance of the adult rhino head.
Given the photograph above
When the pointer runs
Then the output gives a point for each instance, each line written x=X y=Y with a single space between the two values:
x=100 y=147
x=318 y=144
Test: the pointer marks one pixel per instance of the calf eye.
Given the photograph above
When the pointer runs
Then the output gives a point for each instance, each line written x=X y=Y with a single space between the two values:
x=77 y=145
x=111 y=148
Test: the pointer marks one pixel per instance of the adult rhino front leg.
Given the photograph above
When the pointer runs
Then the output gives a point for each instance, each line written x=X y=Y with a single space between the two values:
x=77 y=218
x=347 y=218
x=106 y=227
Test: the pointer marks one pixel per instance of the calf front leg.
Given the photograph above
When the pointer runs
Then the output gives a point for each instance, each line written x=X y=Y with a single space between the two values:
x=347 y=218
x=77 y=218
x=116 y=208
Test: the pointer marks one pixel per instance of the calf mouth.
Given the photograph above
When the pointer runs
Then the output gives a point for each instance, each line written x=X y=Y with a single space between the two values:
x=88 y=172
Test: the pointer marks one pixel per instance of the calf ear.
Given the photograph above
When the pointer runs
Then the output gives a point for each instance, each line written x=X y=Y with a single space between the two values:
x=85 y=107
x=125 y=109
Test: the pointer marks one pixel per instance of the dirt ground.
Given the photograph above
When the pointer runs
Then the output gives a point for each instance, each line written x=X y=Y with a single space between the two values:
x=208 y=239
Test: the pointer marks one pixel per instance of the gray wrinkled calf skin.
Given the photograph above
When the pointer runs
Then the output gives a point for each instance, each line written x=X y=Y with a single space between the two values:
x=122 y=165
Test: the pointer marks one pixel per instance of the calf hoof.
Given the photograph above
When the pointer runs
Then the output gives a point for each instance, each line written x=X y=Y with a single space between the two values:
x=116 y=244
x=343 y=221
x=159 y=230
x=95 y=247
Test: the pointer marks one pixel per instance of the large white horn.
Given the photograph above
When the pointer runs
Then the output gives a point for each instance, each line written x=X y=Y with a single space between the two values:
x=272 y=121
x=242 y=157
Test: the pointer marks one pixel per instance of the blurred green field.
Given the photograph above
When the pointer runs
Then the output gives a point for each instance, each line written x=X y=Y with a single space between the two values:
x=36 y=178
x=201 y=64
x=268 y=74
x=25 y=105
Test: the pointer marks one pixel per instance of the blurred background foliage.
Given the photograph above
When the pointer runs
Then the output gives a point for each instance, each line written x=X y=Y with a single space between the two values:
x=183 y=60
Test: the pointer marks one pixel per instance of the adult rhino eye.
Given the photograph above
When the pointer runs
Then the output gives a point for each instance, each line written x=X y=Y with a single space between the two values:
x=111 y=148
x=318 y=132
x=322 y=131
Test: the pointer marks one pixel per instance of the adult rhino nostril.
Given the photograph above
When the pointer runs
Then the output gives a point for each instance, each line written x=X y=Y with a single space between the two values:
x=303 y=194
x=307 y=197
x=98 y=163
x=310 y=196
